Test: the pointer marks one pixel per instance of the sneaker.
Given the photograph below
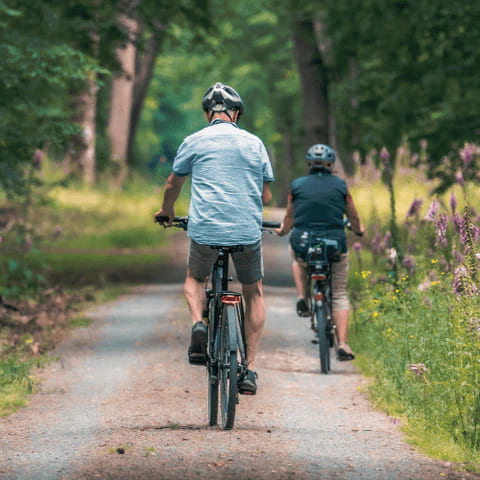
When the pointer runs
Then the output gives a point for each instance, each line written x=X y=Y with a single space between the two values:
x=197 y=351
x=302 y=308
x=344 y=352
x=248 y=384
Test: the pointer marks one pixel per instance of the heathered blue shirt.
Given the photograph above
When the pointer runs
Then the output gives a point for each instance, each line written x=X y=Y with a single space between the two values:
x=228 y=167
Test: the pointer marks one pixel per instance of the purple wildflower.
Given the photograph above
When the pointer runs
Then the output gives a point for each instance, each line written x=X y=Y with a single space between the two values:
x=453 y=202
x=409 y=263
x=387 y=240
x=418 y=369
x=458 y=257
x=432 y=210
x=1 y=240
x=459 y=179
x=58 y=231
x=385 y=155
x=357 y=246
x=460 y=281
x=414 y=208
x=375 y=244
x=441 y=230
x=457 y=222
x=37 y=158
x=467 y=155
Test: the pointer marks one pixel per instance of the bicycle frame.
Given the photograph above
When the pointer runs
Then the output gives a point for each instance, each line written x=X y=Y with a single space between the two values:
x=321 y=254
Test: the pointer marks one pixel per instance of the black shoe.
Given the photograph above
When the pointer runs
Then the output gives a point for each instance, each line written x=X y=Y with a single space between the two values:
x=248 y=384
x=302 y=308
x=197 y=351
x=344 y=353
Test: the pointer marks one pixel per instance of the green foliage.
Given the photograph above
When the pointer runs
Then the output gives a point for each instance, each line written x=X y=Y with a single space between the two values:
x=257 y=61
x=404 y=68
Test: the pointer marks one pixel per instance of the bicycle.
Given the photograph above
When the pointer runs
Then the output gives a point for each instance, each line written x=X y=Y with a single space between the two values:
x=321 y=254
x=227 y=347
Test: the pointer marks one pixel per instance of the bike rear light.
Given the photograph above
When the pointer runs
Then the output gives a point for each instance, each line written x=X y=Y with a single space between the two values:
x=319 y=296
x=231 y=299
x=318 y=276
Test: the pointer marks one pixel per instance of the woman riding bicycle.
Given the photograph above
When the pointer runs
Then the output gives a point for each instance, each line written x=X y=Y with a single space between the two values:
x=317 y=203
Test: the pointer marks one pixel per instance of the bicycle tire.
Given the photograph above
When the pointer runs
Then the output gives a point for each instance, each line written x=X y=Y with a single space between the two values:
x=228 y=368
x=212 y=370
x=323 y=340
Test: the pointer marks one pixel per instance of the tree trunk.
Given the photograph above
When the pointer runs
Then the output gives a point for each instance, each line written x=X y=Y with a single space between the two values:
x=142 y=81
x=314 y=80
x=121 y=104
x=82 y=154
x=323 y=46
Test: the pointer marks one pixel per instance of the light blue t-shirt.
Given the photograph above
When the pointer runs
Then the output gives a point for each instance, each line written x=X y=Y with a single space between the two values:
x=228 y=167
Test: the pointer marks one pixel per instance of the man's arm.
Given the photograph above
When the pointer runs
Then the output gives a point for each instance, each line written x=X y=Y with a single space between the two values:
x=267 y=193
x=172 y=190
x=352 y=215
x=287 y=223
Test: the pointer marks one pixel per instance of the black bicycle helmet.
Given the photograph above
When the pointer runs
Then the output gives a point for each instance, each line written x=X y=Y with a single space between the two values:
x=321 y=156
x=220 y=98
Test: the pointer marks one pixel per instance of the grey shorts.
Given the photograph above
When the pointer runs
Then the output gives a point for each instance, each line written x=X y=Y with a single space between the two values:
x=248 y=263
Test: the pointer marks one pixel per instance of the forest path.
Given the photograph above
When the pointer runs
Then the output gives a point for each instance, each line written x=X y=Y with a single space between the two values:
x=125 y=383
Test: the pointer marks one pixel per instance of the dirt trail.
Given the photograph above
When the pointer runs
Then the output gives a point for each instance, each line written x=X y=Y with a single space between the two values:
x=124 y=383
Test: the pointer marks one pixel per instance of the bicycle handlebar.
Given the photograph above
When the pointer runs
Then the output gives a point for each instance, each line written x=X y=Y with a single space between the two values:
x=181 y=222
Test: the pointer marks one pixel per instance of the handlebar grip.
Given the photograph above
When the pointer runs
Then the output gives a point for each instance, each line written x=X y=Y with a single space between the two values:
x=164 y=218
x=271 y=224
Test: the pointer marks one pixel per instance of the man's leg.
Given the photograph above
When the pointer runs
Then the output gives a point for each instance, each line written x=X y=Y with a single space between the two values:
x=300 y=278
x=254 y=318
x=195 y=293
x=341 y=306
x=200 y=260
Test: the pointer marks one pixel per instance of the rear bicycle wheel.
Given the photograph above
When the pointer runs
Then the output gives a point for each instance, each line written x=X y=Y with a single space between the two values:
x=228 y=368
x=212 y=369
x=323 y=340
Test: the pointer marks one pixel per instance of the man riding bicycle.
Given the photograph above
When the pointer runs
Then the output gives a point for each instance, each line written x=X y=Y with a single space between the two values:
x=230 y=171
x=317 y=203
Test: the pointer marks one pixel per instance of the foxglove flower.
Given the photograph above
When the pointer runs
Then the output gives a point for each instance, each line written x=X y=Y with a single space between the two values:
x=460 y=281
x=409 y=263
x=459 y=178
x=441 y=230
x=385 y=156
x=37 y=158
x=457 y=222
x=453 y=202
x=467 y=155
x=58 y=231
x=414 y=208
x=387 y=240
x=432 y=210
x=357 y=246
x=458 y=257
x=392 y=255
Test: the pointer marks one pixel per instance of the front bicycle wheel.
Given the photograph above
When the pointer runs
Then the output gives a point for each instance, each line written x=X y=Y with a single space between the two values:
x=323 y=340
x=228 y=368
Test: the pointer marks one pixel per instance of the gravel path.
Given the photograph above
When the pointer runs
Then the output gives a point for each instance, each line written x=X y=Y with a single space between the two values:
x=125 y=383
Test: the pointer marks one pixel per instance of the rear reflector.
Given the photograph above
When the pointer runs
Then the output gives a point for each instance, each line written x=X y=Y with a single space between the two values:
x=317 y=276
x=319 y=296
x=231 y=299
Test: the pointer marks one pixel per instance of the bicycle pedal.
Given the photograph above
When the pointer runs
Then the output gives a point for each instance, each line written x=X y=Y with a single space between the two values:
x=195 y=358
